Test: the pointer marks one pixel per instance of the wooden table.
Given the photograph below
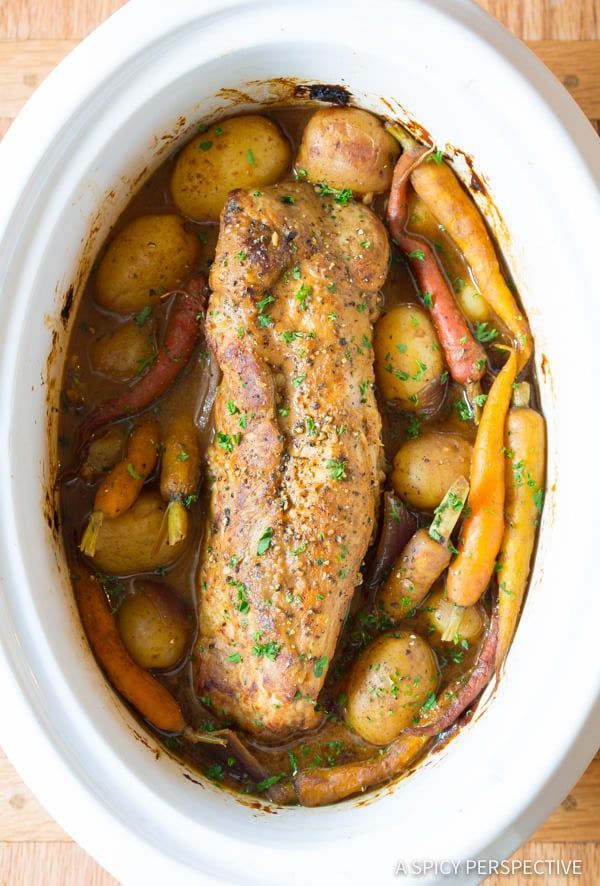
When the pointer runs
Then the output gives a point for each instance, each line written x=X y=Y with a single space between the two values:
x=34 y=36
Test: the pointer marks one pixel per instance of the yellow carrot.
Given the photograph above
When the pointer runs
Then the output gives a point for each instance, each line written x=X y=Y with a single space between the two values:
x=441 y=191
x=469 y=574
x=525 y=442
x=180 y=474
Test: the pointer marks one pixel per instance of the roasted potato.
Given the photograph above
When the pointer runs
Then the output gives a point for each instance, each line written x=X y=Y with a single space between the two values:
x=130 y=543
x=155 y=625
x=389 y=682
x=347 y=148
x=426 y=467
x=151 y=255
x=103 y=454
x=437 y=612
x=242 y=152
x=408 y=359
x=124 y=353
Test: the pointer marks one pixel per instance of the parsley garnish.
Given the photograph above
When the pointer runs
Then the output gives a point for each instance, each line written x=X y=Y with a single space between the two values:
x=336 y=468
x=485 y=333
x=264 y=542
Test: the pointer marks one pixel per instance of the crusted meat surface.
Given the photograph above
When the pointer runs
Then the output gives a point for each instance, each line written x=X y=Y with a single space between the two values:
x=296 y=464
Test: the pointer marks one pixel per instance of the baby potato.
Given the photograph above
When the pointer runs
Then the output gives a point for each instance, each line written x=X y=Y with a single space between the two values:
x=129 y=543
x=103 y=454
x=123 y=354
x=438 y=611
x=151 y=255
x=154 y=625
x=242 y=152
x=389 y=682
x=348 y=148
x=426 y=467
x=408 y=359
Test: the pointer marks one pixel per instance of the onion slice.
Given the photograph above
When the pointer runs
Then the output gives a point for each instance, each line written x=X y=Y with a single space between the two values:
x=397 y=526
x=457 y=697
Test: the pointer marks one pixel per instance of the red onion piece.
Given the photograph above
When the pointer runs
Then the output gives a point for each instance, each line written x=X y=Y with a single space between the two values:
x=397 y=526
x=457 y=697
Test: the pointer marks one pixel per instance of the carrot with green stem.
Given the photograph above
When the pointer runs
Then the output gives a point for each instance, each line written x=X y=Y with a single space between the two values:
x=465 y=357
x=525 y=444
x=481 y=536
x=121 y=487
x=424 y=558
x=180 y=475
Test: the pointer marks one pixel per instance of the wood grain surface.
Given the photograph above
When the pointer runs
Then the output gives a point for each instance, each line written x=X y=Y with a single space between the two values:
x=34 y=37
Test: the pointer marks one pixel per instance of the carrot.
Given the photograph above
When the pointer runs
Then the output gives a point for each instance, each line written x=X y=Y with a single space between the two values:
x=182 y=333
x=424 y=557
x=318 y=787
x=145 y=693
x=465 y=357
x=525 y=443
x=122 y=486
x=441 y=191
x=180 y=474
x=481 y=536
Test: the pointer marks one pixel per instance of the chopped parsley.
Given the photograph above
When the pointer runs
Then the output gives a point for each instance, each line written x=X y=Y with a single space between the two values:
x=342 y=196
x=320 y=665
x=250 y=157
x=336 y=468
x=268 y=650
x=228 y=441
x=264 y=542
x=303 y=296
x=414 y=428
x=143 y=315
x=485 y=333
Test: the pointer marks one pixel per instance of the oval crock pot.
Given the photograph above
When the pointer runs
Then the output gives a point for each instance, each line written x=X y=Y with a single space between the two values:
x=88 y=137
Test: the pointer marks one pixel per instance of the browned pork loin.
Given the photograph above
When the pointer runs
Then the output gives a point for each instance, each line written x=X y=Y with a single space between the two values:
x=296 y=464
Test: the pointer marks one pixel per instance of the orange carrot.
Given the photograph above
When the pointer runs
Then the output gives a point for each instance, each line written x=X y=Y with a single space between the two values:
x=441 y=191
x=146 y=694
x=481 y=536
x=123 y=484
x=465 y=357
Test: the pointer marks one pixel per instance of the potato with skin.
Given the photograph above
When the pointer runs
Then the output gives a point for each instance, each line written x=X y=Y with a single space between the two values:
x=103 y=454
x=408 y=358
x=130 y=543
x=155 y=626
x=437 y=614
x=426 y=467
x=348 y=148
x=124 y=353
x=242 y=152
x=151 y=255
x=389 y=682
